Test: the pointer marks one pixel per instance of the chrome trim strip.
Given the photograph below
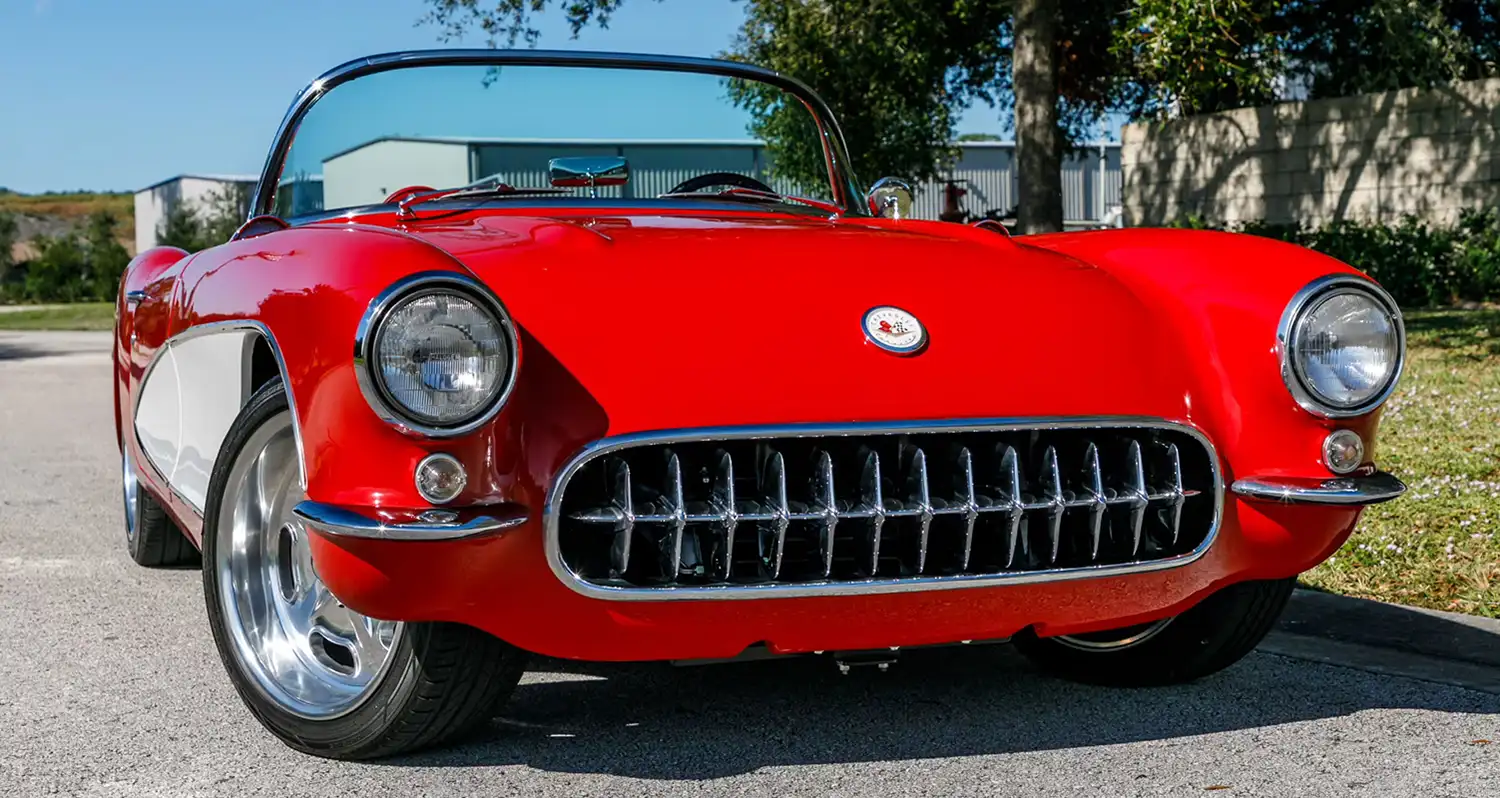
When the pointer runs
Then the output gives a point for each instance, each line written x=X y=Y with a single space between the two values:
x=133 y=298
x=551 y=519
x=234 y=325
x=1362 y=490
x=846 y=193
x=1304 y=298
x=341 y=522
x=364 y=338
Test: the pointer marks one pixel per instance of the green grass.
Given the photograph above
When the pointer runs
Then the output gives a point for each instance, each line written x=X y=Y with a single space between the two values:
x=82 y=316
x=1436 y=546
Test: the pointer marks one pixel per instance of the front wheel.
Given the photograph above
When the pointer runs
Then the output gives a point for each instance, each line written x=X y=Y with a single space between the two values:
x=325 y=679
x=1207 y=638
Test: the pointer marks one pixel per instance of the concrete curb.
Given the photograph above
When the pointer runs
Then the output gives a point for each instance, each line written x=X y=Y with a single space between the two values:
x=1442 y=647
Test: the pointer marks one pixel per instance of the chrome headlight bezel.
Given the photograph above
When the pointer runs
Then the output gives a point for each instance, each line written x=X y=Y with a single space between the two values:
x=1310 y=297
x=368 y=333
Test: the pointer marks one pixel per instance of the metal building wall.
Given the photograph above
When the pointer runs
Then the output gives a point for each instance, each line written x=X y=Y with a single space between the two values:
x=989 y=169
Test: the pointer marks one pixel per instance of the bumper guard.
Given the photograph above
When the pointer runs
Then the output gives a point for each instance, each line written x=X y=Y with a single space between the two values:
x=1354 y=490
x=342 y=522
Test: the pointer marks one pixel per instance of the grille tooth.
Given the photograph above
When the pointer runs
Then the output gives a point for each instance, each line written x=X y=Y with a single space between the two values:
x=919 y=500
x=1136 y=495
x=825 y=504
x=931 y=504
x=965 y=481
x=1014 y=502
x=677 y=514
x=1099 y=503
x=1174 y=489
x=723 y=509
x=871 y=506
x=621 y=503
x=774 y=486
x=1054 y=499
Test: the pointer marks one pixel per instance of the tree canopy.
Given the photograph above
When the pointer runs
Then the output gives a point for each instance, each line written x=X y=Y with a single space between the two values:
x=898 y=72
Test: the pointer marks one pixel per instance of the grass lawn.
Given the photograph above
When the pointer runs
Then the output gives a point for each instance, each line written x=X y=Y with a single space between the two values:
x=1436 y=546
x=82 y=316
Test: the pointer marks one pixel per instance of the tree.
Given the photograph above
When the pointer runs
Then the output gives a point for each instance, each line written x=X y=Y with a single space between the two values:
x=225 y=210
x=1188 y=56
x=1038 y=137
x=897 y=72
x=59 y=272
x=1340 y=47
x=7 y=246
x=195 y=226
x=181 y=227
x=106 y=257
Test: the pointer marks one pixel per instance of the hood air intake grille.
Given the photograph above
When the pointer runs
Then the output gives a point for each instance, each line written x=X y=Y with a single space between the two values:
x=873 y=509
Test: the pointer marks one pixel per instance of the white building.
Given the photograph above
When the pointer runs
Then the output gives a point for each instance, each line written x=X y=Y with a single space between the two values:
x=154 y=202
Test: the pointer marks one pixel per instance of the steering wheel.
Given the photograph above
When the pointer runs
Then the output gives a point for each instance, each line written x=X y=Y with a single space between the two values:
x=736 y=179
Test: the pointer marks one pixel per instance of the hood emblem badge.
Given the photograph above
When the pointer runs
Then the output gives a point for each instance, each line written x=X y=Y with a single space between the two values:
x=894 y=330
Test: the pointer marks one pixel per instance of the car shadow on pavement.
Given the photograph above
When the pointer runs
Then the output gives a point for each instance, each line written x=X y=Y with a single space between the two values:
x=14 y=348
x=656 y=721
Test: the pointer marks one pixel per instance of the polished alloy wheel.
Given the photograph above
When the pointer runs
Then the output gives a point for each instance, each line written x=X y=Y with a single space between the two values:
x=304 y=649
x=132 y=487
x=1115 y=639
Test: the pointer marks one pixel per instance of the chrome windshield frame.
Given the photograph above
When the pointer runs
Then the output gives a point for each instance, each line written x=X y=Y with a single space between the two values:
x=846 y=192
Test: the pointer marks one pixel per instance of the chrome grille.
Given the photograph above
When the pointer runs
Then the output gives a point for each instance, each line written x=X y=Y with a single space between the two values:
x=867 y=508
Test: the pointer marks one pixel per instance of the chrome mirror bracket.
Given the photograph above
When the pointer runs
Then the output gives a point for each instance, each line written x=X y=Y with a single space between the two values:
x=890 y=198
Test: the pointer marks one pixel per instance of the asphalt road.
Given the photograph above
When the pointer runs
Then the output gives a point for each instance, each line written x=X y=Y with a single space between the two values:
x=109 y=686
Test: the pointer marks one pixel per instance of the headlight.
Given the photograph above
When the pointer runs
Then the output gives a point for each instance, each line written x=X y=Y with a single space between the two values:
x=1342 y=346
x=435 y=355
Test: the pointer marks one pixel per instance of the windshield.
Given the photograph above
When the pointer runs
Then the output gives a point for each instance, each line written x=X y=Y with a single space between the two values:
x=515 y=131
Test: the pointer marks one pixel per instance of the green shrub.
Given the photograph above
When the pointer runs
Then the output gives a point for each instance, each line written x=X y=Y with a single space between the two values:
x=73 y=268
x=1421 y=265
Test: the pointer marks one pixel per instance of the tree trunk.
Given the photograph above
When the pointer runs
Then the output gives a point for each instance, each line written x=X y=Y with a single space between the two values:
x=1038 y=139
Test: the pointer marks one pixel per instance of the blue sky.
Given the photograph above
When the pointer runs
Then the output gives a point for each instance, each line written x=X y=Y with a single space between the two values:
x=117 y=94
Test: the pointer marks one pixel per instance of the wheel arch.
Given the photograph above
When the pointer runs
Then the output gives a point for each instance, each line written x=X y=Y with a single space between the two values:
x=191 y=391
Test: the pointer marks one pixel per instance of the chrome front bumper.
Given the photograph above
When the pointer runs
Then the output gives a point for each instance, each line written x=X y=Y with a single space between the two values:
x=445 y=525
x=1356 y=490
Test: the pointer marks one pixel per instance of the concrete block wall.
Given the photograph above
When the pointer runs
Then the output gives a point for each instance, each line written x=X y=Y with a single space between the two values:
x=1372 y=157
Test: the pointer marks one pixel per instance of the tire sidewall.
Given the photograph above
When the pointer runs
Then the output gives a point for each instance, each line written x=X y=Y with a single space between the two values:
x=370 y=718
x=1202 y=640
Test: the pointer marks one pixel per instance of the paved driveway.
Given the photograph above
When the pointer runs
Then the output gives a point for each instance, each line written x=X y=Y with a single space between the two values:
x=109 y=685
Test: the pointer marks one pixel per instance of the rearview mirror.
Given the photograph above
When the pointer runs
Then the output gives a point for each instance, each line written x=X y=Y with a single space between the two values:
x=592 y=172
x=890 y=198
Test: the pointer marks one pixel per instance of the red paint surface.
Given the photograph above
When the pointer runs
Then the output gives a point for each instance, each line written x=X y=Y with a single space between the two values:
x=654 y=320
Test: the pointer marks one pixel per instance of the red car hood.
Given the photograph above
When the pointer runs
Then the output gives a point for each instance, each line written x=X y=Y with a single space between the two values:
x=690 y=321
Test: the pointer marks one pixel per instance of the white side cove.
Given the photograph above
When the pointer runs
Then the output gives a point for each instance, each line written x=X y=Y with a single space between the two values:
x=190 y=398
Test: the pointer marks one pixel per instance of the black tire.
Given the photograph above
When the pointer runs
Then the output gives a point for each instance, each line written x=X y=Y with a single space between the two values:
x=442 y=680
x=1207 y=638
x=150 y=536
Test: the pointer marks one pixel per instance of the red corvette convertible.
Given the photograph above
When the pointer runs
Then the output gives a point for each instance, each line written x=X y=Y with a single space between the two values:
x=567 y=353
